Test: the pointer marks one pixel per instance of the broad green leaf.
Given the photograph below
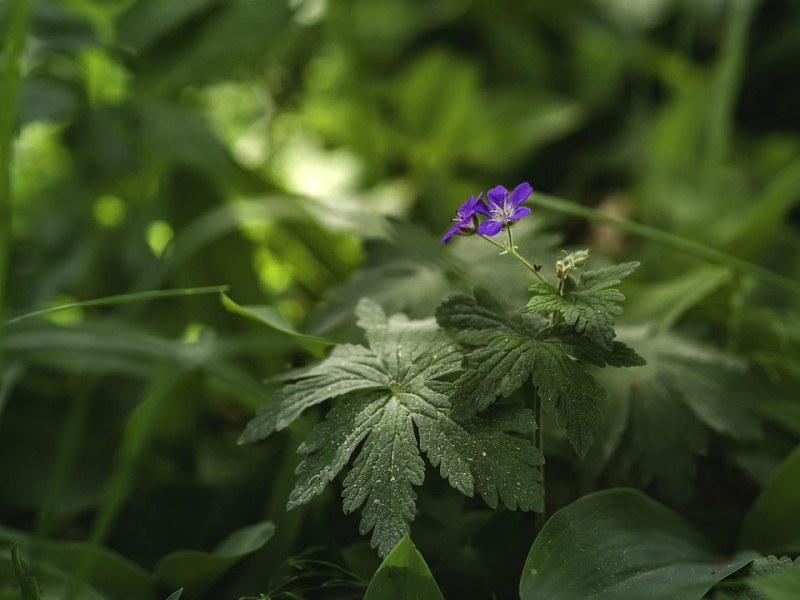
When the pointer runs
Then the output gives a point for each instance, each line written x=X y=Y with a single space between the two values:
x=588 y=304
x=196 y=571
x=620 y=545
x=773 y=523
x=508 y=348
x=390 y=406
x=58 y=565
x=403 y=575
x=269 y=316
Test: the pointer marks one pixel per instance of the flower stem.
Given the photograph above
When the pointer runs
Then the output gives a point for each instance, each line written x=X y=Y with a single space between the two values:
x=512 y=251
x=538 y=443
x=538 y=438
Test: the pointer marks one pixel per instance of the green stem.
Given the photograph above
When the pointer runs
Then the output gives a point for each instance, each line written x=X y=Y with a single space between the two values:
x=510 y=250
x=538 y=438
x=538 y=442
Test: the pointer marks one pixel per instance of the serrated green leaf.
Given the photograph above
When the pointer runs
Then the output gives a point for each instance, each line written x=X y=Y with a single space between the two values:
x=497 y=369
x=448 y=448
x=619 y=355
x=589 y=305
x=483 y=317
x=382 y=393
x=779 y=585
x=766 y=565
x=348 y=369
x=566 y=387
x=330 y=445
x=403 y=575
x=370 y=316
x=501 y=458
x=515 y=347
x=666 y=459
x=382 y=477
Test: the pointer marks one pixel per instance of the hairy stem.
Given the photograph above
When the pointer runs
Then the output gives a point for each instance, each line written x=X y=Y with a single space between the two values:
x=538 y=442
x=512 y=251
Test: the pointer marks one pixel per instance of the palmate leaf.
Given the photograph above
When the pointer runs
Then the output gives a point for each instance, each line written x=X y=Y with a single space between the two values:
x=510 y=347
x=684 y=393
x=589 y=303
x=391 y=406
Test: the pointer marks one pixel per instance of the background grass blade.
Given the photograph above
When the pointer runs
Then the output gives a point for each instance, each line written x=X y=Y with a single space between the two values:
x=122 y=299
x=16 y=26
x=668 y=239
x=27 y=584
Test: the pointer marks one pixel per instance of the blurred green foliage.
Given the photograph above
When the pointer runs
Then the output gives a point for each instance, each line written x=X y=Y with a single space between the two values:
x=307 y=153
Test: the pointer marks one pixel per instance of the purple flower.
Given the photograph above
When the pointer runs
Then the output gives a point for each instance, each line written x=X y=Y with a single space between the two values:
x=466 y=223
x=504 y=210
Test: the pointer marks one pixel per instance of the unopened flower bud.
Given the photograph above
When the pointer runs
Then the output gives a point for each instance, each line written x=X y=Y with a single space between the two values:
x=570 y=262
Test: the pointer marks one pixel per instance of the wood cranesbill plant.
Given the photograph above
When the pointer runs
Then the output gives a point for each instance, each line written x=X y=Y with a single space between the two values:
x=431 y=386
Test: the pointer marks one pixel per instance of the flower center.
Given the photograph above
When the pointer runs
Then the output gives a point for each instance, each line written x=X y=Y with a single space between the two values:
x=501 y=212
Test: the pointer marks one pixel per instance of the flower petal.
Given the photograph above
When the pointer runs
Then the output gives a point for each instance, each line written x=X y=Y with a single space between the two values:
x=489 y=227
x=497 y=196
x=519 y=213
x=450 y=233
x=482 y=209
x=521 y=193
x=473 y=205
